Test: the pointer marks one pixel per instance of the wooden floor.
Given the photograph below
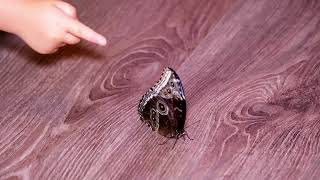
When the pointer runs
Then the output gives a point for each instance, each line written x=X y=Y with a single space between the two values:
x=251 y=73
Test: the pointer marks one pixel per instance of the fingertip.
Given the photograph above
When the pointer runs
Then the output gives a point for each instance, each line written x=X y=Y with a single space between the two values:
x=102 y=41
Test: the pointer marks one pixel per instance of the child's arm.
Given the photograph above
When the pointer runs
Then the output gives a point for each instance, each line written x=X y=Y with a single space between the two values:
x=45 y=25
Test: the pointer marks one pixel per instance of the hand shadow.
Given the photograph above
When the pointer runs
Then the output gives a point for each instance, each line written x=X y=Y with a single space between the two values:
x=83 y=50
x=74 y=52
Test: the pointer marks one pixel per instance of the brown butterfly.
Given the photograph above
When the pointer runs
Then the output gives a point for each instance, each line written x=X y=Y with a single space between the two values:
x=163 y=107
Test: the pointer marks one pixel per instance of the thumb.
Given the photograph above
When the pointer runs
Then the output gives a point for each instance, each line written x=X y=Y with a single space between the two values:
x=66 y=8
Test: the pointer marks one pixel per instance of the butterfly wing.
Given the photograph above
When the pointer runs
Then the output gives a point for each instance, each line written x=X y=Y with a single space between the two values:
x=163 y=107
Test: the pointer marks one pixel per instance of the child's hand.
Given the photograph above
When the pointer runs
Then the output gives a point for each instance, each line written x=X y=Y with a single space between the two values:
x=48 y=25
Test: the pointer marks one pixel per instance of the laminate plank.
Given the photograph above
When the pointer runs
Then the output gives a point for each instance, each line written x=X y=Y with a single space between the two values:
x=250 y=70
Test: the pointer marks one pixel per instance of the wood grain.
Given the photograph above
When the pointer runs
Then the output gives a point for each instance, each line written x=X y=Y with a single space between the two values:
x=250 y=70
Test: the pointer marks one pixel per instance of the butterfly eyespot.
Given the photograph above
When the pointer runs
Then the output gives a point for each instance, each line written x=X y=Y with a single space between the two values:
x=172 y=84
x=161 y=107
x=169 y=91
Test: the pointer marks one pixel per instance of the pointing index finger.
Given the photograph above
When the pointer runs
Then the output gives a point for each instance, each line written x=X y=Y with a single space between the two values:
x=82 y=31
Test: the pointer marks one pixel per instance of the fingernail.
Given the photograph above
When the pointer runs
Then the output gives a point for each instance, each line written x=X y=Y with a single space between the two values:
x=102 y=41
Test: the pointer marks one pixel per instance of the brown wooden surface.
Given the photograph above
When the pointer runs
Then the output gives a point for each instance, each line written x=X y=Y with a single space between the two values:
x=250 y=69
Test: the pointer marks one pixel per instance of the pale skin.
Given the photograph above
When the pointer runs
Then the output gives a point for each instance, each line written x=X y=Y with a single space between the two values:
x=45 y=25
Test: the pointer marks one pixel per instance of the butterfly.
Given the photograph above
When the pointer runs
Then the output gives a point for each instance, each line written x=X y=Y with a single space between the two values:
x=163 y=107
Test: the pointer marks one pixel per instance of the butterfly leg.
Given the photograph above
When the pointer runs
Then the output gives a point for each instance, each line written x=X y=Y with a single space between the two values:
x=175 y=142
x=165 y=141
x=189 y=136
x=168 y=138
x=186 y=134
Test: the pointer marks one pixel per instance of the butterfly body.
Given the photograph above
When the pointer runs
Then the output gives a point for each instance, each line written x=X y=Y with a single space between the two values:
x=163 y=107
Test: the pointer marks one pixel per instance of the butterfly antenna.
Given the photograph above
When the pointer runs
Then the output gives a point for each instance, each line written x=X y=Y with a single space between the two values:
x=191 y=124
